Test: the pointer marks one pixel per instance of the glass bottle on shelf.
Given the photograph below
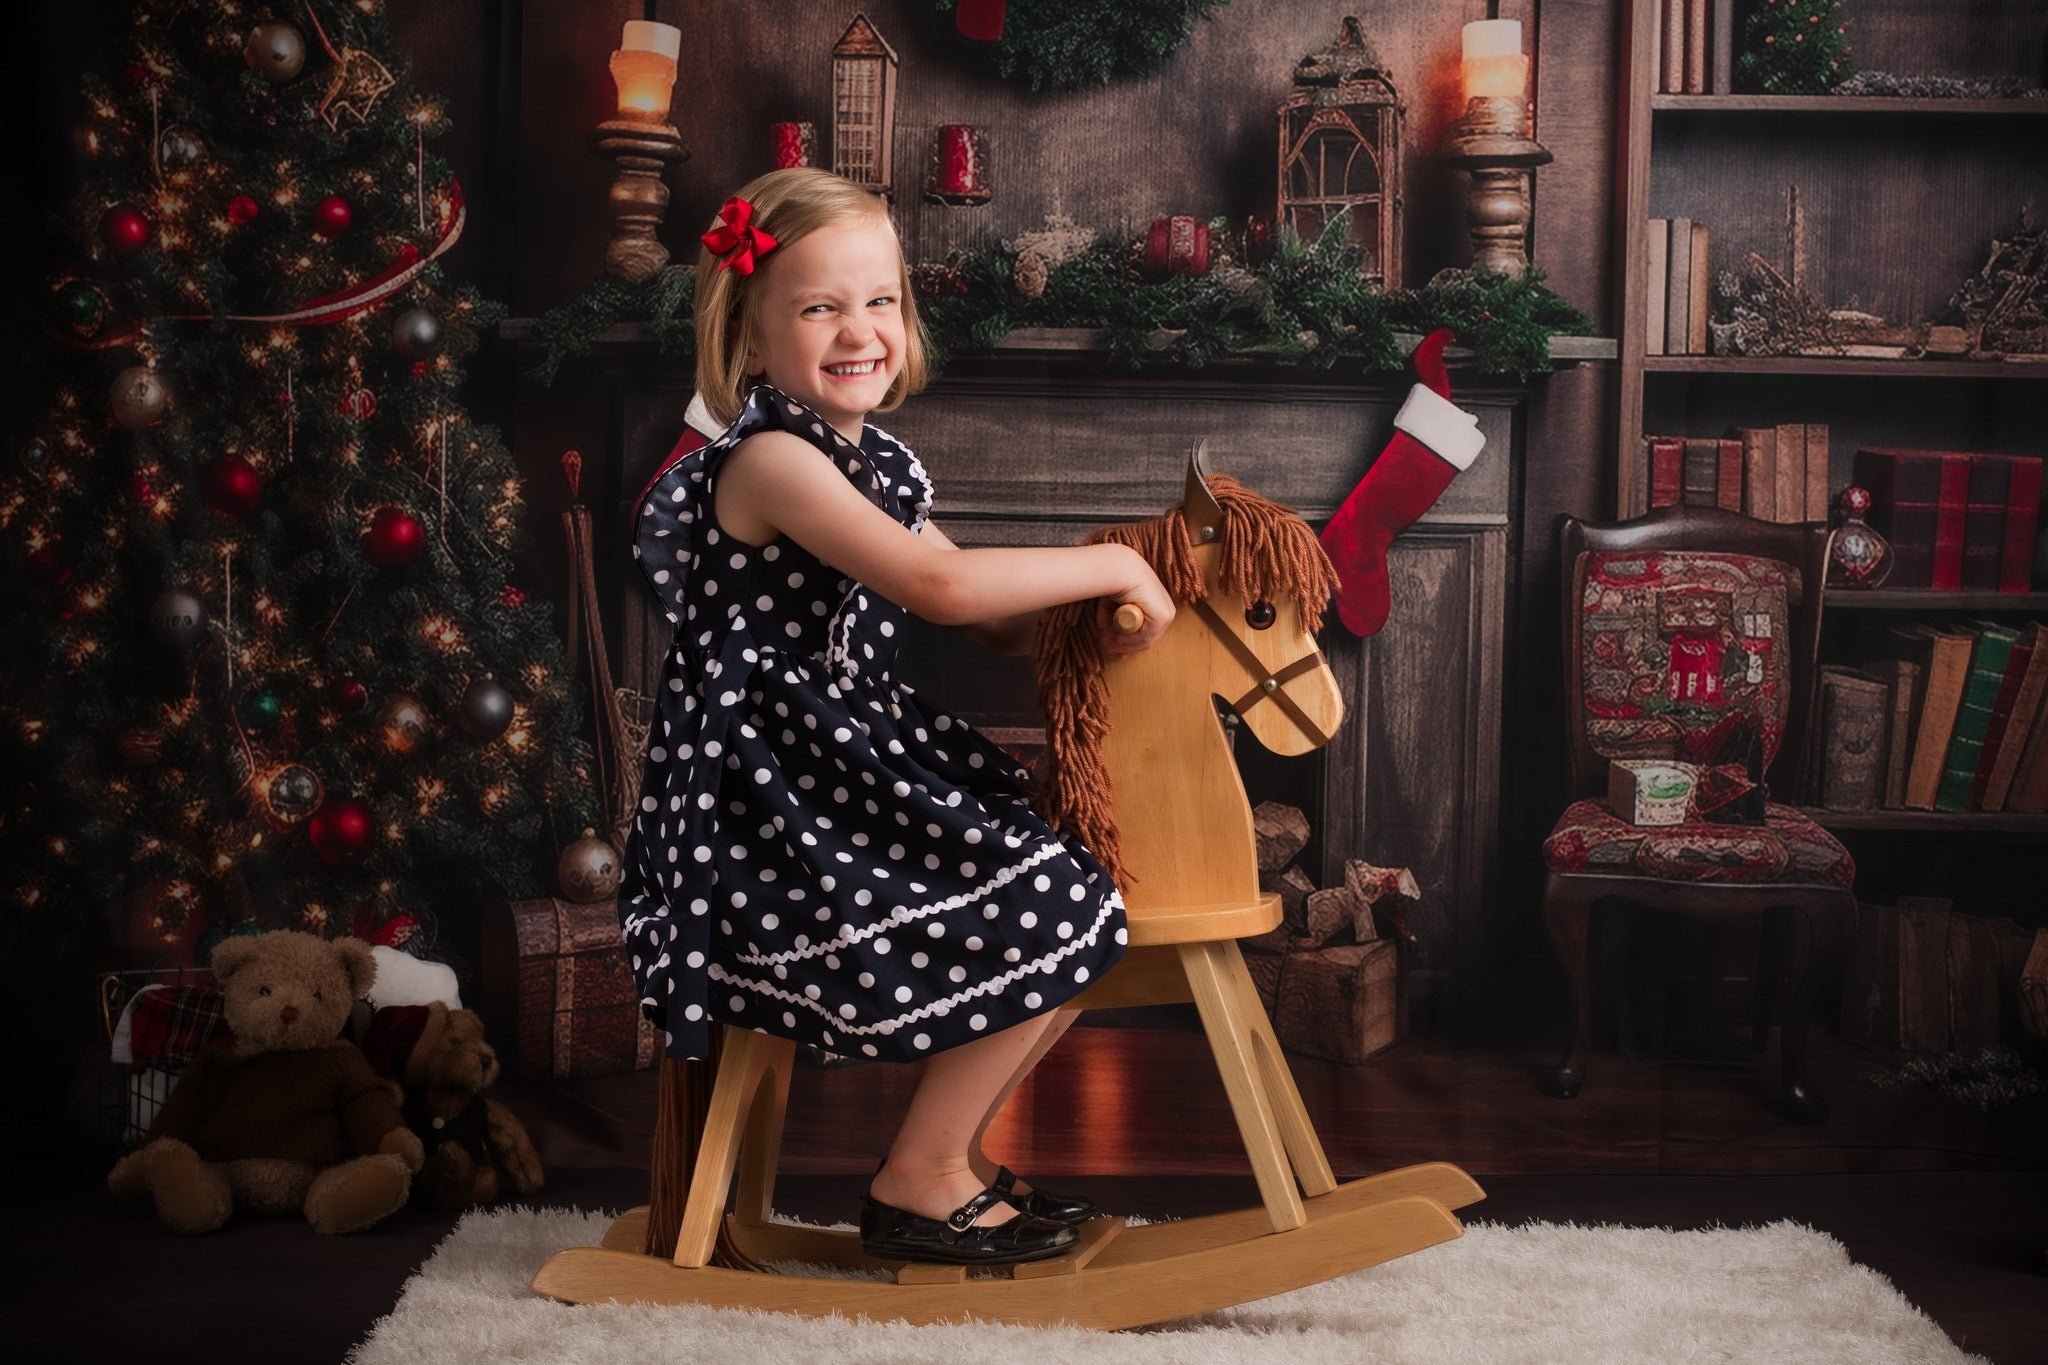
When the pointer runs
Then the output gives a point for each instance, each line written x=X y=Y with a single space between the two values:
x=1858 y=557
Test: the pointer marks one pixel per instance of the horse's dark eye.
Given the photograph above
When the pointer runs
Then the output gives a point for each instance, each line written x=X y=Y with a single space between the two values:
x=1259 y=615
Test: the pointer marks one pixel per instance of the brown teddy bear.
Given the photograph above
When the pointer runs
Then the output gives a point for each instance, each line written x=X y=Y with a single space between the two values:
x=287 y=1118
x=440 y=1059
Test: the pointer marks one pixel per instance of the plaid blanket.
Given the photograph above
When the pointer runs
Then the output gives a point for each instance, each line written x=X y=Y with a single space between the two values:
x=166 y=1026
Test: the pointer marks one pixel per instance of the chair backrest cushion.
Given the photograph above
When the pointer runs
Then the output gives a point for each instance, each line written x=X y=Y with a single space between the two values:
x=1684 y=650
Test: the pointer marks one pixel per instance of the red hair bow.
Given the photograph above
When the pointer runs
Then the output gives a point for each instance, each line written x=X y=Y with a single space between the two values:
x=737 y=239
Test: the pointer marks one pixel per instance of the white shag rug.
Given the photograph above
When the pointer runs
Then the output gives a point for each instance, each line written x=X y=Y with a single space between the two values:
x=1540 y=1293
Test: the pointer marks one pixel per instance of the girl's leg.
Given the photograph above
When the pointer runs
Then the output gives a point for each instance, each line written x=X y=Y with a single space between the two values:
x=984 y=1168
x=928 y=1170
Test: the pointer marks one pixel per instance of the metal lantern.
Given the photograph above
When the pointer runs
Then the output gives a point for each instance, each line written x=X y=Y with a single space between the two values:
x=863 y=105
x=1340 y=148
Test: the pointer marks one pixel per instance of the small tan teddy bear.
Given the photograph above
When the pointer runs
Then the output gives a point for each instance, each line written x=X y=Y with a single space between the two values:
x=289 y=1117
x=474 y=1144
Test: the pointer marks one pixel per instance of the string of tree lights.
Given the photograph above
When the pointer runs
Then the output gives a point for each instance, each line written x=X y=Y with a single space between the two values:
x=279 y=677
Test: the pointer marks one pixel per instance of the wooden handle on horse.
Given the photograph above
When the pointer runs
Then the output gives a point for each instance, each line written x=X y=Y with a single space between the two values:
x=1129 y=619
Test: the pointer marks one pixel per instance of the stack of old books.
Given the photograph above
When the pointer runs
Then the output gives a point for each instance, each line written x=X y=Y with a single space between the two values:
x=1775 y=473
x=1956 y=520
x=1954 y=721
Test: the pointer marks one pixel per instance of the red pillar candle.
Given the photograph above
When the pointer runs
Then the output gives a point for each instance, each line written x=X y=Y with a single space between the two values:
x=795 y=144
x=956 y=174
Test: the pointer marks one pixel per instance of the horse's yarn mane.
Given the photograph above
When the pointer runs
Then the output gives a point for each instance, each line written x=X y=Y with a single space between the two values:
x=1267 y=553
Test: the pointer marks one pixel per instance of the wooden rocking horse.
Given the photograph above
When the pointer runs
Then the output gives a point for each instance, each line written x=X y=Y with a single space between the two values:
x=1181 y=843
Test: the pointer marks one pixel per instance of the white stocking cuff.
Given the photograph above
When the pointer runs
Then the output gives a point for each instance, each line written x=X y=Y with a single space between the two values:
x=1447 y=429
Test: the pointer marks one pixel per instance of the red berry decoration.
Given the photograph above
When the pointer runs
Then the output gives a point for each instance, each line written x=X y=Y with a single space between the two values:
x=242 y=210
x=124 y=229
x=332 y=215
x=347 y=693
x=233 y=487
x=341 y=831
x=395 y=538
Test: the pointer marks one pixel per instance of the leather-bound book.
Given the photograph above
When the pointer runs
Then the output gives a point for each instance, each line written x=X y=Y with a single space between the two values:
x=1988 y=657
x=1853 y=722
x=1791 y=472
x=1984 y=521
x=2022 y=523
x=1667 y=470
x=1759 y=471
x=2030 y=783
x=1816 y=498
x=1945 y=657
x=1908 y=489
x=1702 y=473
x=2019 y=716
x=1901 y=680
x=1728 y=474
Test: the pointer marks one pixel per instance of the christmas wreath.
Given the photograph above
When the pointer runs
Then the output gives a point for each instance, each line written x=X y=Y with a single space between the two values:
x=1067 y=44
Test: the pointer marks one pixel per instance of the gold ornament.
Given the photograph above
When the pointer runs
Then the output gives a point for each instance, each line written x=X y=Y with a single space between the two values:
x=1030 y=274
x=404 y=723
x=357 y=83
x=589 y=869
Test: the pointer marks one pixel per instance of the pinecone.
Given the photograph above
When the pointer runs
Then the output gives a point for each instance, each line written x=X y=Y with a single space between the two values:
x=936 y=279
x=1030 y=274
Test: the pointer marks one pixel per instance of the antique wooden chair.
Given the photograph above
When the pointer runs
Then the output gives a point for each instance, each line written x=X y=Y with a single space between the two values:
x=1191 y=891
x=1675 y=622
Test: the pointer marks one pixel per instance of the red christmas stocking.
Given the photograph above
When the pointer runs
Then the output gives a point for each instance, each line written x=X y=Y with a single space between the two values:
x=1433 y=440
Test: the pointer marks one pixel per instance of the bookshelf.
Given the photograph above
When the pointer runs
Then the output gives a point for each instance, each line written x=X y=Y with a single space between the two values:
x=1900 y=199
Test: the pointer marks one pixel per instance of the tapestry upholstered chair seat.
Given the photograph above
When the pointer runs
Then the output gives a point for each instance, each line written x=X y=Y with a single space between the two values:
x=1690 y=637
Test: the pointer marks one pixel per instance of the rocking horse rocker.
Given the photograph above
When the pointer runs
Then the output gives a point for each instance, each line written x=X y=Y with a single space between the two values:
x=1142 y=773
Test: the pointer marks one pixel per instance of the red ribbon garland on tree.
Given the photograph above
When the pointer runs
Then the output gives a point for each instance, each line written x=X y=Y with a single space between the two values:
x=337 y=306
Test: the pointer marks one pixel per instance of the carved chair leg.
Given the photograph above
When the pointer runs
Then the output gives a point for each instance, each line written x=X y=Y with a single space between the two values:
x=1770 y=966
x=1567 y=912
x=1822 y=939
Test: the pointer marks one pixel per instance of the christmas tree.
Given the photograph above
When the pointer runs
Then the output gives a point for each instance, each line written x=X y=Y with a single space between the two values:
x=279 y=677
x=1794 y=47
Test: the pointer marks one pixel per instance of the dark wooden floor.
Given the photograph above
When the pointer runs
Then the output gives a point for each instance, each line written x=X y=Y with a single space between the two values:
x=1951 y=1205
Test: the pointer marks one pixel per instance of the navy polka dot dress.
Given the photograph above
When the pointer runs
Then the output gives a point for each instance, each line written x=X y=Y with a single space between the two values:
x=818 y=853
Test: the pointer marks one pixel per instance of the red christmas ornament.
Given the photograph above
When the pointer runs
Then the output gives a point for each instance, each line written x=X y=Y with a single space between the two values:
x=124 y=229
x=50 y=571
x=347 y=693
x=360 y=404
x=233 y=487
x=395 y=538
x=341 y=831
x=332 y=215
x=241 y=210
x=141 y=491
x=512 y=597
x=419 y=367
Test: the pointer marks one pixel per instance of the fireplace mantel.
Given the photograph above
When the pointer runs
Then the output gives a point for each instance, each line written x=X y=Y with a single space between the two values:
x=1042 y=442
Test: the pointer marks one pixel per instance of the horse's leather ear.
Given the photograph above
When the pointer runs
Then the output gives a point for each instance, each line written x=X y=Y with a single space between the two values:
x=1199 y=506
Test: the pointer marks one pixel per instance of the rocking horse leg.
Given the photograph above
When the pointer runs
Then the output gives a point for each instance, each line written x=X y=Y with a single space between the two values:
x=761 y=1148
x=1224 y=1020
x=747 y=1058
x=1304 y=1148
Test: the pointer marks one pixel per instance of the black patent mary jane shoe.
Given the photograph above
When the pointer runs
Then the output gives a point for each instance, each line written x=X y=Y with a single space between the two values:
x=888 y=1233
x=1057 y=1208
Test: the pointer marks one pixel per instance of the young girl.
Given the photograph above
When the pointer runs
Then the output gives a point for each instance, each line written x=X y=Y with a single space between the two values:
x=819 y=853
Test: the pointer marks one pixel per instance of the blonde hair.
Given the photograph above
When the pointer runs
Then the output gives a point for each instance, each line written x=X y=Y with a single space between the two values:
x=789 y=205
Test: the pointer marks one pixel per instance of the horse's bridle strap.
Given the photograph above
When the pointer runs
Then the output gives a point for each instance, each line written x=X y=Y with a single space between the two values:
x=1271 y=685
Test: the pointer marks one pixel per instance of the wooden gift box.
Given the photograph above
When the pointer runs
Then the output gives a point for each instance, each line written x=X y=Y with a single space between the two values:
x=557 y=981
x=1340 y=1001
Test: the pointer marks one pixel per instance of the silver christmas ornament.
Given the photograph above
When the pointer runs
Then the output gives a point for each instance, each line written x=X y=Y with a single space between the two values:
x=138 y=397
x=294 y=792
x=416 y=334
x=177 y=619
x=276 y=52
x=179 y=146
x=486 y=710
x=35 y=453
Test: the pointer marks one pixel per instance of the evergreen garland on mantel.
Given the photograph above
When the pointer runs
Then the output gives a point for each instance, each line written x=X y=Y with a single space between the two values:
x=1061 y=45
x=1307 y=304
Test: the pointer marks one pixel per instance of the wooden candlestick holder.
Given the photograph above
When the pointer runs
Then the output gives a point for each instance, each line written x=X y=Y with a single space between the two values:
x=639 y=195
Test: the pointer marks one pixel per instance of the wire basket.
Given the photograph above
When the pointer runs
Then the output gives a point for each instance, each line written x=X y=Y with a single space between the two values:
x=130 y=1096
